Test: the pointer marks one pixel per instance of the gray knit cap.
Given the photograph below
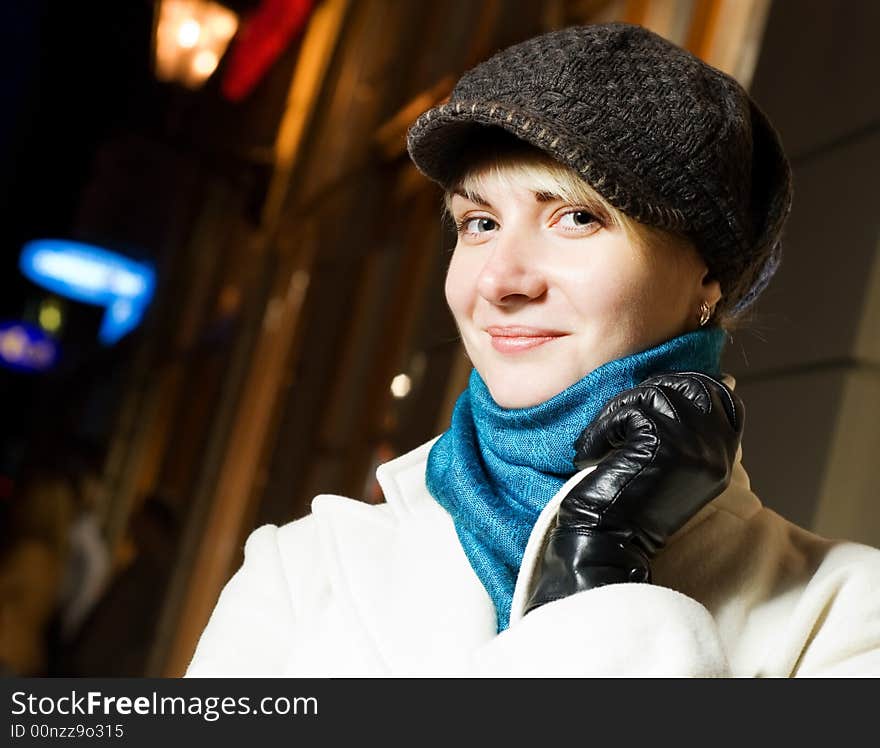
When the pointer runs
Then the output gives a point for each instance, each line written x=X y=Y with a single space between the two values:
x=665 y=138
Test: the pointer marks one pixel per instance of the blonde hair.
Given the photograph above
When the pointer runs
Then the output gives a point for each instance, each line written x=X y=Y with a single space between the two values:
x=514 y=162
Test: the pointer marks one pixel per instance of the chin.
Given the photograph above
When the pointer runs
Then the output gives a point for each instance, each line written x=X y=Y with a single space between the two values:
x=521 y=393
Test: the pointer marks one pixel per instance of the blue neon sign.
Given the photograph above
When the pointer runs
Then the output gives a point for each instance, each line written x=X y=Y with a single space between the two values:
x=26 y=347
x=95 y=276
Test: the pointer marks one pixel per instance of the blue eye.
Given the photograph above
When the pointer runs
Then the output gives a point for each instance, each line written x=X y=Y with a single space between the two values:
x=578 y=219
x=479 y=225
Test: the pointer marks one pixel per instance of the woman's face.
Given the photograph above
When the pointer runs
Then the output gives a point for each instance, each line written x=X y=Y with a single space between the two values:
x=543 y=291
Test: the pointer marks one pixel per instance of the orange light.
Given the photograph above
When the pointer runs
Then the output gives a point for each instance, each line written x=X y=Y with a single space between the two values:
x=188 y=33
x=205 y=63
x=191 y=37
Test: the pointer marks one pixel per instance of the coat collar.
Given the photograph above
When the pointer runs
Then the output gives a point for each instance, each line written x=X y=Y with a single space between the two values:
x=407 y=588
x=403 y=479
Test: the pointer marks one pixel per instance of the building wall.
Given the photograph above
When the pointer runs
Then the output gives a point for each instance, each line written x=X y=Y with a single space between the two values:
x=808 y=369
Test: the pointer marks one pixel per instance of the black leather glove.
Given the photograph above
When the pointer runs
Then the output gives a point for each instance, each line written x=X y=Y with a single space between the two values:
x=666 y=449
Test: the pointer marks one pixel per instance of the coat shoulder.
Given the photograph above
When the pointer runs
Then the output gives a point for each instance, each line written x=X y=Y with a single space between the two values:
x=834 y=621
x=843 y=597
x=854 y=565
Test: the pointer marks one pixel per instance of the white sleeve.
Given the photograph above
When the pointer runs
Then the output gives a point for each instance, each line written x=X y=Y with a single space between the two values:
x=620 y=630
x=249 y=631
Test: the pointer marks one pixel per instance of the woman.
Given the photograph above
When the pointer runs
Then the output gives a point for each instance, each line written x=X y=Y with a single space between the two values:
x=618 y=204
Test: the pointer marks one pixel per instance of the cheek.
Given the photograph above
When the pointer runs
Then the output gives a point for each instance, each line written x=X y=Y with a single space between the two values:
x=459 y=288
x=608 y=291
x=636 y=297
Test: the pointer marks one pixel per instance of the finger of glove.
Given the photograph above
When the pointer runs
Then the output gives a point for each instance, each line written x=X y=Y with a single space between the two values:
x=606 y=431
x=703 y=415
x=706 y=393
x=705 y=439
x=632 y=437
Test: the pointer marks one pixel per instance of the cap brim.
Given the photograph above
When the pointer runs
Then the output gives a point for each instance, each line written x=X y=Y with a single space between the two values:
x=443 y=140
x=447 y=136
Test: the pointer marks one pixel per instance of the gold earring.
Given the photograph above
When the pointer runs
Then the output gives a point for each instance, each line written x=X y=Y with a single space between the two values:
x=705 y=313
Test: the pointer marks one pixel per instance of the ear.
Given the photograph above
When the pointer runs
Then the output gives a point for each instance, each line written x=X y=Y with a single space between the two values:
x=711 y=290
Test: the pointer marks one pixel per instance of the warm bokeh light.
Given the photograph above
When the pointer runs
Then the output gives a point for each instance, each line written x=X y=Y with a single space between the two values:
x=188 y=33
x=205 y=63
x=222 y=24
x=191 y=37
x=400 y=386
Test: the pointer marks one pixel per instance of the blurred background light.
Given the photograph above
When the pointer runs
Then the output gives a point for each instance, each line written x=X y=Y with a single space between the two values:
x=25 y=347
x=95 y=276
x=205 y=62
x=50 y=316
x=188 y=33
x=400 y=386
x=190 y=38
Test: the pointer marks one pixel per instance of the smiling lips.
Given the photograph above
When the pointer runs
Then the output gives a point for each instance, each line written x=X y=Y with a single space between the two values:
x=517 y=339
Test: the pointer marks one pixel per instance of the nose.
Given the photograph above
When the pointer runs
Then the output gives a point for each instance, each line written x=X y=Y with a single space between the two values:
x=510 y=275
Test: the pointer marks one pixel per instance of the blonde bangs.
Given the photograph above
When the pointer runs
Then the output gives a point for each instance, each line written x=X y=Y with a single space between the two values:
x=528 y=168
x=540 y=174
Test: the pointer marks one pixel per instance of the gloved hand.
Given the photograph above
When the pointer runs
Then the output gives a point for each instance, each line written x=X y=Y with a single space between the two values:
x=665 y=449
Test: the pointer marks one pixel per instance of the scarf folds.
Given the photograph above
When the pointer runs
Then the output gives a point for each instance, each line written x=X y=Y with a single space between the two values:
x=496 y=468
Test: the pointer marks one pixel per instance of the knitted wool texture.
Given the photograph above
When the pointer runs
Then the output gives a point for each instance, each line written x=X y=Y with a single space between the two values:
x=664 y=137
x=495 y=469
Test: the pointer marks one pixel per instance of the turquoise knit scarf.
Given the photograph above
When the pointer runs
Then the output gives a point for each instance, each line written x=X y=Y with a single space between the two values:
x=495 y=469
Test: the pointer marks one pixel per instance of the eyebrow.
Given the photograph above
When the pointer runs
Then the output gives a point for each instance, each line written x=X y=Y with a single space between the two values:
x=548 y=197
x=475 y=197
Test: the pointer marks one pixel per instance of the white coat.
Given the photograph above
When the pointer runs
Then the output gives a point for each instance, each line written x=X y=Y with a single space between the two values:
x=386 y=590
